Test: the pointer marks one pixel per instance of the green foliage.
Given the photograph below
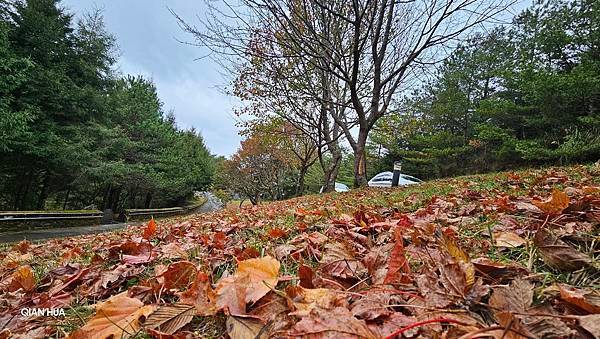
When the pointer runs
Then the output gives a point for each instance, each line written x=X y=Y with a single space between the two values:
x=73 y=132
x=526 y=95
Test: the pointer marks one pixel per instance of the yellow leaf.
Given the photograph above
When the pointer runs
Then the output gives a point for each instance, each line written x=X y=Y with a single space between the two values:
x=252 y=281
x=118 y=317
x=263 y=274
x=22 y=278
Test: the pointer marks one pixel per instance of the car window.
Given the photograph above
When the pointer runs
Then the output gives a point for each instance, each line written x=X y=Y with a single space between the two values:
x=410 y=178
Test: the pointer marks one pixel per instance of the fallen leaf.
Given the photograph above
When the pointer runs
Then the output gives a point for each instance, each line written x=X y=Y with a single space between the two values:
x=591 y=323
x=558 y=254
x=588 y=300
x=170 y=318
x=22 y=278
x=495 y=272
x=276 y=233
x=231 y=294
x=555 y=204
x=372 y=305
x=262 y=275
x=243 y=328
x=336 y=323
x=306 y=275
x=118 y=317
x=201 y=295
x=304 y=300
x=340 y=261
x=508 y=240
x=179 y=275
x=514 y=298
x=150 y=230
x=398 y=269
x=131 y=252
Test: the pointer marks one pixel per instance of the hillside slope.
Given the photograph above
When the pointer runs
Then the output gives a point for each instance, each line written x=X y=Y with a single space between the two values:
x=512 y=255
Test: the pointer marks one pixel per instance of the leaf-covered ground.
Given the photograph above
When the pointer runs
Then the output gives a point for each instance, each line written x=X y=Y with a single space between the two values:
x=509 y=255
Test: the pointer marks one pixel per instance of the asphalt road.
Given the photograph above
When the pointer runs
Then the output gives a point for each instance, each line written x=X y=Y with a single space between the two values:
x=212 y=204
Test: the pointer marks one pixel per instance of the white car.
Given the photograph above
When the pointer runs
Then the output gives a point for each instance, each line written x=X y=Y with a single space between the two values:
x=339 y=187
x=384 y=179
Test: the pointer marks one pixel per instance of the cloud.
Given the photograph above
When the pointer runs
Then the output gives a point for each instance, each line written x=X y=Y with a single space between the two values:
x=147 y=35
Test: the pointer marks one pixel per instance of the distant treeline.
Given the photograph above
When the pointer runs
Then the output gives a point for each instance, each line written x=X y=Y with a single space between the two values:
x=74 y=133
x=520 y=95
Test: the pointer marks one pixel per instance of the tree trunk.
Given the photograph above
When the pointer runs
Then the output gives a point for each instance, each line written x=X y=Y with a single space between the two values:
x=360 y=160
x=300 y=184
x=43 y=193
x=148 y=200
x=331 y=172
x=66 y=198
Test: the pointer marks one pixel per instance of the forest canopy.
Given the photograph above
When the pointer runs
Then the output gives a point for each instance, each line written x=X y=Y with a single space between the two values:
x=519 y=95
x=74 y=132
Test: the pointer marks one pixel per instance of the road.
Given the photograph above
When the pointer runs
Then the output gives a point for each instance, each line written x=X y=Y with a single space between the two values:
x=212 y=204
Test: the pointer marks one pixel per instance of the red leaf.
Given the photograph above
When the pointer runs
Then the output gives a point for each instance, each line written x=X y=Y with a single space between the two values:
x=219 y=240
x=132 y=252
x=277 y=233
x=179 y=275
x=150 y=229
x=306 y=276
x=398 y=269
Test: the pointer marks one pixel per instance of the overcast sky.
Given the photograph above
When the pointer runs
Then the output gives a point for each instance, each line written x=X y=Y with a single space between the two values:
x=147 y=36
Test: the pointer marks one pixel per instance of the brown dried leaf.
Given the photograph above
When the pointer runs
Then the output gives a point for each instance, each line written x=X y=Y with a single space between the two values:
x=243 y=328
x=336 y=323
x=558 y=254
x=372 y=305
x=584 y=299
x=170 y=318
x=591 y=323
x=398 y=269
x=305 y=300
x=508 y=240
x=514 y=298
x=340 y=261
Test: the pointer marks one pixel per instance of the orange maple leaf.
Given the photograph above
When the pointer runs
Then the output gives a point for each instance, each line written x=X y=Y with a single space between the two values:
x=150 y=229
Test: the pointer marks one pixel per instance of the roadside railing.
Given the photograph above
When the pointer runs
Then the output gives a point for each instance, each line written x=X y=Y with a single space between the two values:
x=27 y=220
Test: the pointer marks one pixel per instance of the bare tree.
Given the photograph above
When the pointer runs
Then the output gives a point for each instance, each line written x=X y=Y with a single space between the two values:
x=372 y=47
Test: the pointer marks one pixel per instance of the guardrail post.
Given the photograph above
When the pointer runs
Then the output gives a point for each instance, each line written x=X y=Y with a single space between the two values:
x=397 y=170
